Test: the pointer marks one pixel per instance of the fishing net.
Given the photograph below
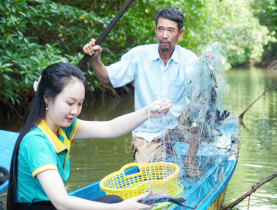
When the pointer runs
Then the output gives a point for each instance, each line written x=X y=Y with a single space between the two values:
x=194 y=144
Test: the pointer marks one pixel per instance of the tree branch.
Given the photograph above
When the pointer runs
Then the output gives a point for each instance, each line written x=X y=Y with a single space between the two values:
x=254 y=188
x=241 y=115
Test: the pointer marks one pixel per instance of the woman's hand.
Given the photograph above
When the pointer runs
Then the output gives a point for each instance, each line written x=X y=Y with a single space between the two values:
x=159 y=108
x=134 y=203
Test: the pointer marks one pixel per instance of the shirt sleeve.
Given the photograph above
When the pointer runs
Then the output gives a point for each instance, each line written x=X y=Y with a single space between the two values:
x=38 y=154
x=123 y=72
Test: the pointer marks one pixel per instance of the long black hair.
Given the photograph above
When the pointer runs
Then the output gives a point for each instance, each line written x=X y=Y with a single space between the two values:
x=53 y=80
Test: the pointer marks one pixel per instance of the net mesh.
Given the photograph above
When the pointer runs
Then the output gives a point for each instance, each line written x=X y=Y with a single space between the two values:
x=193 y=143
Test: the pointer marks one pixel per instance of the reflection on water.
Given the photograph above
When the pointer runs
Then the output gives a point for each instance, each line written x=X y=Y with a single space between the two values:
x=257 y=156
x=93 y=159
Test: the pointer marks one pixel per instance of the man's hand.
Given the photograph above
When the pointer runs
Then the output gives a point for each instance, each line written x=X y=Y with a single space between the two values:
x=92 y=49
x=100 y=69
x=159 y=108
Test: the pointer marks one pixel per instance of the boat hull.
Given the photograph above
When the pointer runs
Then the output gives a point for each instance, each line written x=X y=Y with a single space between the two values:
x=218 y=202
x=7 y=142
x=208 y=191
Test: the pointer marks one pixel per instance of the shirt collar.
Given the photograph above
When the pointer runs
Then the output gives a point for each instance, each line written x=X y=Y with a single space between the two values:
x=57 y=144
x=156 y=55
x=174 y=55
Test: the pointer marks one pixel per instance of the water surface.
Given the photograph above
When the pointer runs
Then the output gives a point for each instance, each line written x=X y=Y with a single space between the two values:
x=258 y=136
x=93 y=159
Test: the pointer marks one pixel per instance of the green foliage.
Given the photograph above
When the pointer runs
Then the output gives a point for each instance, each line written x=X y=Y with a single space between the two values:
x=266 y=11
x=36 y=33
x=231 y=23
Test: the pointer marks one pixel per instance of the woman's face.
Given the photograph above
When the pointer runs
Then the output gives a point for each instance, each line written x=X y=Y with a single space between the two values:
x=67 y=105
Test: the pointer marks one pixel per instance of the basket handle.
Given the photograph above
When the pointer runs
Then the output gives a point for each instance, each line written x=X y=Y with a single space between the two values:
x=129 y=165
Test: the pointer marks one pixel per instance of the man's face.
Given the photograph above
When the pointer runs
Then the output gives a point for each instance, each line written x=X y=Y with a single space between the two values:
x=167 y=34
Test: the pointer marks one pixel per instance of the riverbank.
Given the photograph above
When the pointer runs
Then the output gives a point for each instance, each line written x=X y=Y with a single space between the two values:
x=269 y=63
x=8 y=109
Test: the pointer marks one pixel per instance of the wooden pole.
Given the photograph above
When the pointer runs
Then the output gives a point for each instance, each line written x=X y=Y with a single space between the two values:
x=83 y=62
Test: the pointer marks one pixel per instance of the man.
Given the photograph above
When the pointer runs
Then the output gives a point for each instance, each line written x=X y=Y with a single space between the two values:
x=158 y=71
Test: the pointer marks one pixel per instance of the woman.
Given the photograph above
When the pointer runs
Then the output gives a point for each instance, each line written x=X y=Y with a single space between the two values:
x=41 y=158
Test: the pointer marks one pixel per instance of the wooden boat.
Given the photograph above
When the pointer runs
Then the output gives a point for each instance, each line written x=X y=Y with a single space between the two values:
x=207 y=192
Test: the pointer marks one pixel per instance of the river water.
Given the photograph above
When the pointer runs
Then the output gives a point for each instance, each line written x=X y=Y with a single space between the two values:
x=91 y=160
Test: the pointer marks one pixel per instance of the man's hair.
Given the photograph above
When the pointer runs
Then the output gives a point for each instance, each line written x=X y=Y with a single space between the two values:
x=172 y=14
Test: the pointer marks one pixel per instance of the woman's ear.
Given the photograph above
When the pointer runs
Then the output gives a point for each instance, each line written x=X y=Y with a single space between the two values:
x=47 y=100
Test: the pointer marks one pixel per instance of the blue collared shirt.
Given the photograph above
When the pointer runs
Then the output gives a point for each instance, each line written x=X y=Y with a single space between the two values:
x=153 y=80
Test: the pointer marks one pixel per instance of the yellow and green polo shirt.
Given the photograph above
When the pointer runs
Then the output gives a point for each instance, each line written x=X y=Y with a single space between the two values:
x=40 y=150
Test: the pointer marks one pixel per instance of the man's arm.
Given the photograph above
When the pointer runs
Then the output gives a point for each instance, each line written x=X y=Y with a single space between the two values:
x=100 y=69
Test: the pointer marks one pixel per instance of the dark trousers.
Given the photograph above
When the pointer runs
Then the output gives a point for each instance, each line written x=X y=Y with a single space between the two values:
x=47 y=205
